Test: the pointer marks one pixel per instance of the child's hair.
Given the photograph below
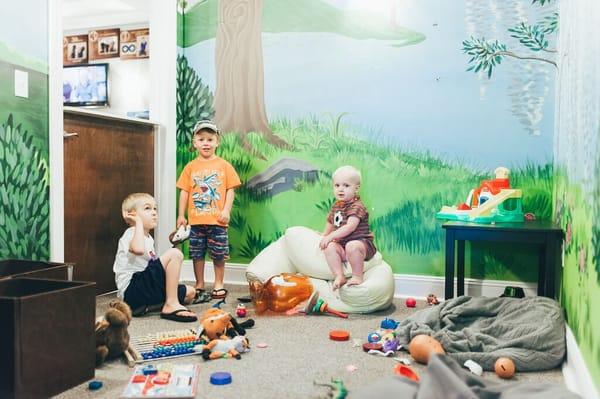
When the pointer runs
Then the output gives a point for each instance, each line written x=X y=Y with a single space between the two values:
x=351 y=171
x=134 y=200
x=207 y=126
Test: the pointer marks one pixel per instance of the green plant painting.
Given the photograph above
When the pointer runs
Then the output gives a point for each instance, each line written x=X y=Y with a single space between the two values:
x=24 y=193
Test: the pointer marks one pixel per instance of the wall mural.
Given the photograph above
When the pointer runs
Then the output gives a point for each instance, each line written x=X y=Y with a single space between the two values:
x=385 y=86
x=24 y=174
x=577 y=196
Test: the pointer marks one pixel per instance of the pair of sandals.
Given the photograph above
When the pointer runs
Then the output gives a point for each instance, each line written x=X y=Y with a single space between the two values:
x=205 y=296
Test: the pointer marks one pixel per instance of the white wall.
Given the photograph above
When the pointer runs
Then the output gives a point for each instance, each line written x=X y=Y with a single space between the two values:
x=128 y=80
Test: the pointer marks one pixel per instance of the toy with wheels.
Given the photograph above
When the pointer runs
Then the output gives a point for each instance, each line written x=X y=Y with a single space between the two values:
x=492 y=201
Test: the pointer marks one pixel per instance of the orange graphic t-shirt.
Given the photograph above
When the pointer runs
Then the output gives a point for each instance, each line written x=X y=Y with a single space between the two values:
x=207 y=182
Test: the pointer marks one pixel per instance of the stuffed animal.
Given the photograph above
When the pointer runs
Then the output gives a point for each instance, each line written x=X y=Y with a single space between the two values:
x=112 y=338
x=226 y=348
x=218 y=324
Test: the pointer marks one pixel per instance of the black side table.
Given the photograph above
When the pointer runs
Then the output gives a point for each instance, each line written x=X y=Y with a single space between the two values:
x=546 y=235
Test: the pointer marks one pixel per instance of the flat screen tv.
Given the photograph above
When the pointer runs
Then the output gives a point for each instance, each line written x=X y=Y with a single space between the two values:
x=85 y=85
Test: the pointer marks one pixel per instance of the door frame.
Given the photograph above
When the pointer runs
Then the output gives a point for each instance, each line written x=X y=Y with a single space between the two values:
x=163 y=74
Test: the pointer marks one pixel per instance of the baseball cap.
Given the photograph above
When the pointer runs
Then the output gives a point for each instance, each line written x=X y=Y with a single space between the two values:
x=205 y=125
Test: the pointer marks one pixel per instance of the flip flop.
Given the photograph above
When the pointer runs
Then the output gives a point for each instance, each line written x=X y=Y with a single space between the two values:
x=175 y=316
x=145 y=309
x=201 y=297
x=219 y=293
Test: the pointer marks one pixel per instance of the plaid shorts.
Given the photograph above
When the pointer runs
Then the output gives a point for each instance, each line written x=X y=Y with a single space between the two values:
x=211 y=237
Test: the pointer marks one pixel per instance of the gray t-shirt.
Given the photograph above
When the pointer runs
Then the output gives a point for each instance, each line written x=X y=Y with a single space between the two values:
x=127 y=263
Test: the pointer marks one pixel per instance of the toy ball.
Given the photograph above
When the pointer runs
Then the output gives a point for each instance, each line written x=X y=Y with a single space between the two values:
x=374 y=337
x=504 y=367
x=422 y=346
x=411 y=302
x=241 y=310
x=389 y=324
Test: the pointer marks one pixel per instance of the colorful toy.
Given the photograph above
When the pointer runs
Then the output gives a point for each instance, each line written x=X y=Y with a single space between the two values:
x=218 y=304
x=281 y=292
x=337 y=390
x=216 y=323
x=389 y=324
x=339 y=335
x=374 y=337
x=504 y=367
x=422 y=346
x=411 y=302
x=432 y=300
x=372 y=346
x=390 y=342
x=225 y=348
x=169 y=344
x=492 y=201
x=170 y=381
x=317 y=305
x=220 y=378
x=112 y=337
x=240 y=310
x=405 y=371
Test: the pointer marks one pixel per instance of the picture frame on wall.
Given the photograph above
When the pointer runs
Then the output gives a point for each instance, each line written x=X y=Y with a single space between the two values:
x=135 y=44
x=75 y=49
x=103 y=43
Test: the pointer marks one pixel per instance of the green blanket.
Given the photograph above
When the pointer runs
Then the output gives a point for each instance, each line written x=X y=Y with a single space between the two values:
x=530 y=331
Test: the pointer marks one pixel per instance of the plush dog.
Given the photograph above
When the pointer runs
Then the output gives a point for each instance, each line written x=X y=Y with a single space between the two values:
x=225 y=336
x=218 y=324
x=112 y=338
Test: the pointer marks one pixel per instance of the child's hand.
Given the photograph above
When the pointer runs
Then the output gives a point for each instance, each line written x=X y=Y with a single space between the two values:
x=325 y=241
x=223 y=217
x=131 y=217
x=181 y=221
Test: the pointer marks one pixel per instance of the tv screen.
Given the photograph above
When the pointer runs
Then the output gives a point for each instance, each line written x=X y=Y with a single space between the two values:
x=85 y=85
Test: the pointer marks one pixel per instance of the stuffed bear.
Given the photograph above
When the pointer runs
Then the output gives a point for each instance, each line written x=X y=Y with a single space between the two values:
x=112 y=338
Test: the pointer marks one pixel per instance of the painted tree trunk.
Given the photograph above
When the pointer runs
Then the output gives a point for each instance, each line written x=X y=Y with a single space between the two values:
x=239 y=95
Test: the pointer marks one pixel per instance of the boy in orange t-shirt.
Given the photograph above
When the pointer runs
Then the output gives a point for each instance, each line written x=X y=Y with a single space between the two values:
x=207 y=186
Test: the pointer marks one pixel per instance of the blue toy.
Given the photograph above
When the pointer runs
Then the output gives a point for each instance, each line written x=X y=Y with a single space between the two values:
x=389 y=324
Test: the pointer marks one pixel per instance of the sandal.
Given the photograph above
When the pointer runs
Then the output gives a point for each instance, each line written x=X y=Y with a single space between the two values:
x=219 y=293
x=176 y=316
x=201 y=297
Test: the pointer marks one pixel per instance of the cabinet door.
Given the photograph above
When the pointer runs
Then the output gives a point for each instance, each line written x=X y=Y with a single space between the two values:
x=104 y=162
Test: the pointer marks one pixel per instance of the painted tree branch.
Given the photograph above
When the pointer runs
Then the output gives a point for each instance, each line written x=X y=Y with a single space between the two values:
x=511 y=54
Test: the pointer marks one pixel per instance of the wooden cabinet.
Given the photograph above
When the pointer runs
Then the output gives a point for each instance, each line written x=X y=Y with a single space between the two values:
x=107 y=159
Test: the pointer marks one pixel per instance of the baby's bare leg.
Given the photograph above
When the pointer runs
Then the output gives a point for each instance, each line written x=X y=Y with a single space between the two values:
x=334 y=254
x=356 y=252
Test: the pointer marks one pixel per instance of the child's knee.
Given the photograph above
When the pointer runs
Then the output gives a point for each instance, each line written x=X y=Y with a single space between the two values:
x=355 y=248
x=175 y=254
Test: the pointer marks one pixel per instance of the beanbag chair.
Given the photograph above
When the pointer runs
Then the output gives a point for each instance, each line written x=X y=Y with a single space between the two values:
x=297 y=251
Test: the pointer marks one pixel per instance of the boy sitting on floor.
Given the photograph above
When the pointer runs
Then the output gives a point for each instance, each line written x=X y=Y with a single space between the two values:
x=142 y=278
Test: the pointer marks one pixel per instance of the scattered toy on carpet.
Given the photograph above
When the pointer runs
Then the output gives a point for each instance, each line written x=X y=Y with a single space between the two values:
x=112 y=337
x=504 y=367
x=422 y=346
x=337 y=390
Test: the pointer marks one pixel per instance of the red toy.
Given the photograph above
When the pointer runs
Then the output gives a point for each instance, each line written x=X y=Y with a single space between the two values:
x=241 y=310
x=487 y=187
x=411 y=302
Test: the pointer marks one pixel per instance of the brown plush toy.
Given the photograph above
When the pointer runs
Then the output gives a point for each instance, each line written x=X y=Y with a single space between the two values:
x=112 y=338
x=223 y=334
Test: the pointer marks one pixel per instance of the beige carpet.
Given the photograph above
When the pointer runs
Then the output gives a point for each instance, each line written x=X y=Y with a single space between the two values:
x=299 y=353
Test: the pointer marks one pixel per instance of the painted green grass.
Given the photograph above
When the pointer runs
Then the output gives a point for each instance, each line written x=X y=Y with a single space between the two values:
x=402 y=189
x=576 y=213
x=31 y=113
x=296 y=16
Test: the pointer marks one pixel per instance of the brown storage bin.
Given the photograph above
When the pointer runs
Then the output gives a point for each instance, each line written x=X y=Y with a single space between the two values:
x=47 y=340
x=35 y=269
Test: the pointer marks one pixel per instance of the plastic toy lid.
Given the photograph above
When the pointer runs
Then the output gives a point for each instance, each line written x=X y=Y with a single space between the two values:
x=220 y=378
x=367 y=346
x=339 y=335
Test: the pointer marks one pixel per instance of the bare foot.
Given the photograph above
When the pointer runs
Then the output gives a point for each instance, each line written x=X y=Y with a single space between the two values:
x=355 y=280
x=338 y=282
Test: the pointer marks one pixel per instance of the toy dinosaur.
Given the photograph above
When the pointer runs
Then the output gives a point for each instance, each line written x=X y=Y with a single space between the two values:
x=337 y=390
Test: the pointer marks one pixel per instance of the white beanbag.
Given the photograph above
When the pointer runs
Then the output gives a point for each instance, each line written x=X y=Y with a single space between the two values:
x=298 y=252
x=302 y=248
x=271 y=261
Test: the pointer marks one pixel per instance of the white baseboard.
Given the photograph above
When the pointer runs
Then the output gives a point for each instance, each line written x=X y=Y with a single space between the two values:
x=407 y=285
x=576 y=374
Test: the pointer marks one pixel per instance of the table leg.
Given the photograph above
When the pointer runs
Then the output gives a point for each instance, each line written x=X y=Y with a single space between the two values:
x=460 y=268
x=449 y=280
x=541 y=291
x=552 y=259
